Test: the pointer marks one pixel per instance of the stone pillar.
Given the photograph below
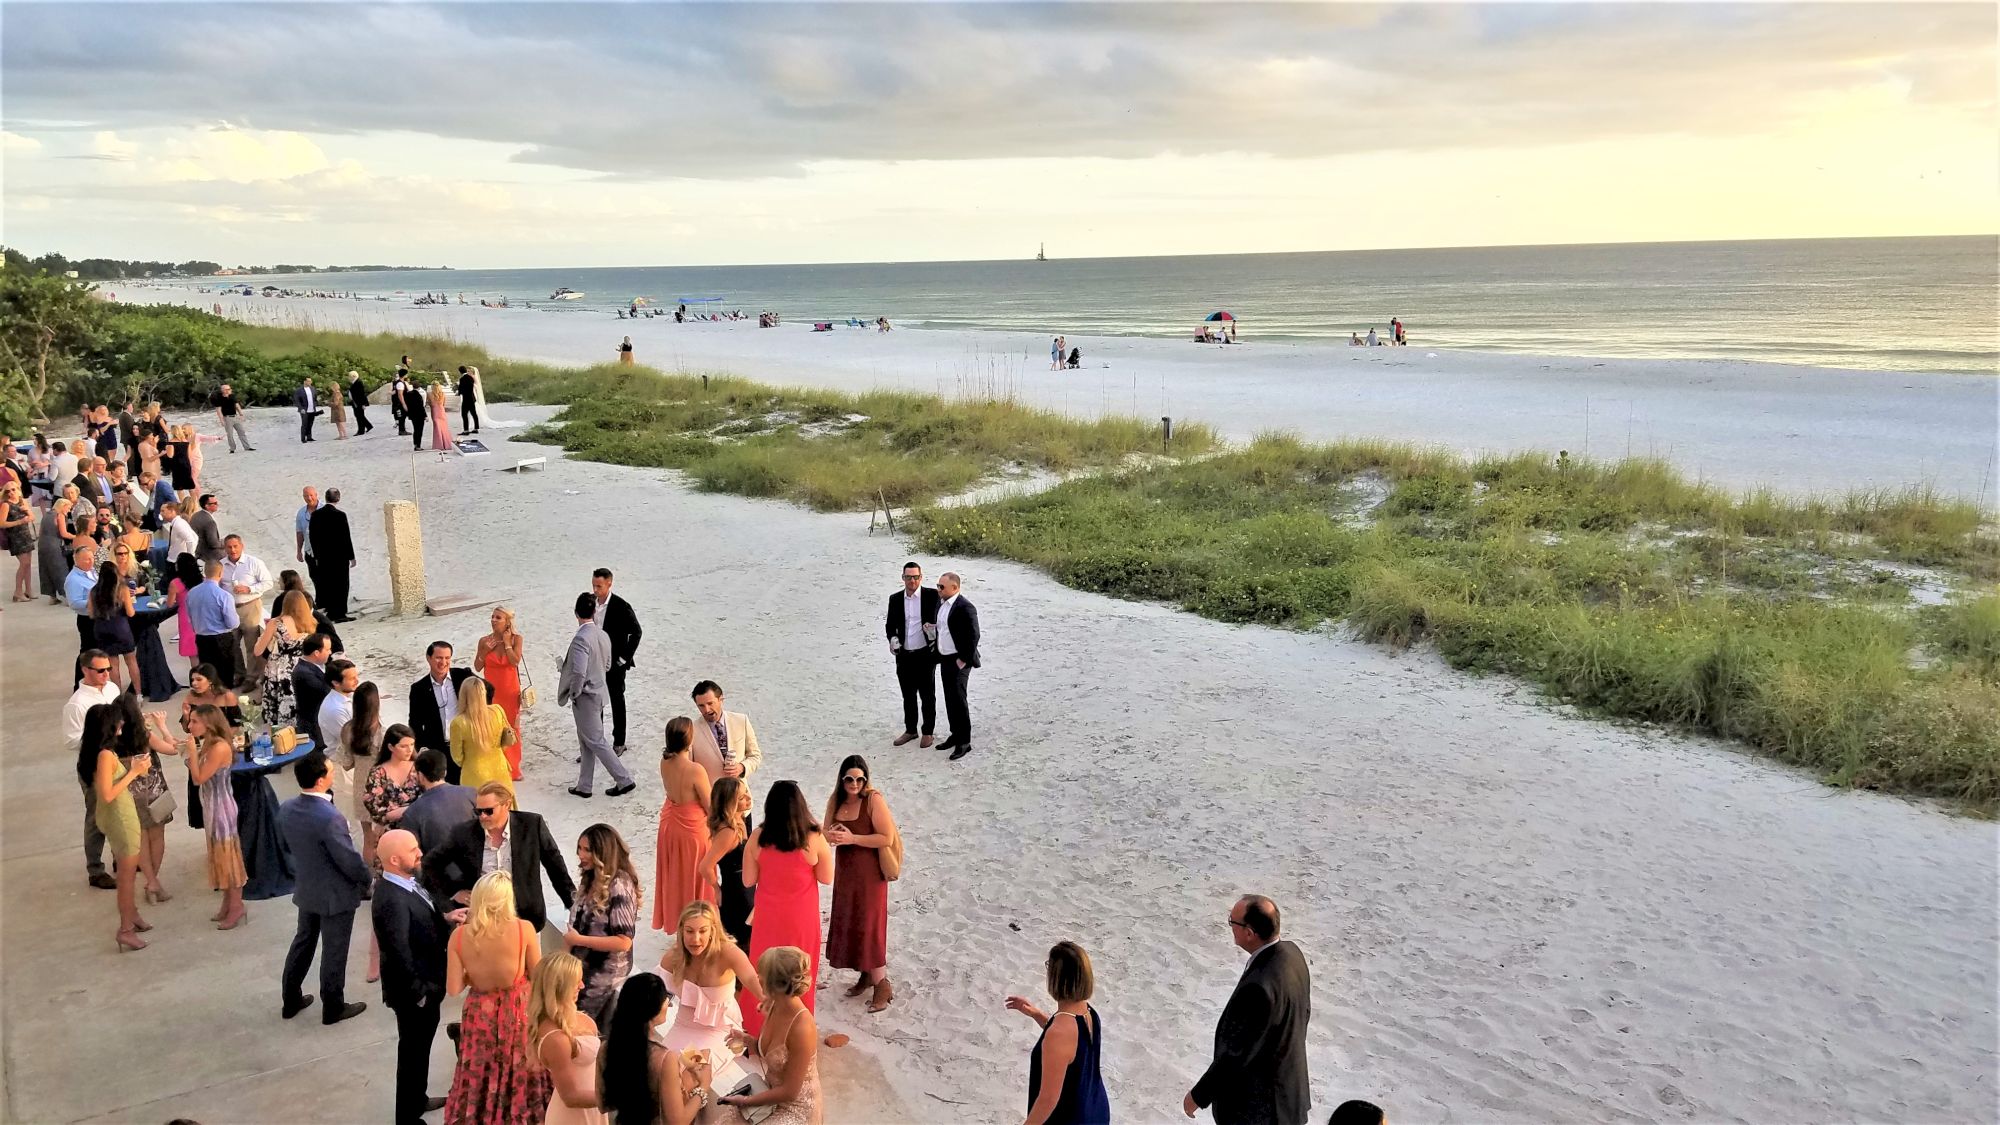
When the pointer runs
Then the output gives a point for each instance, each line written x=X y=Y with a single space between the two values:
x=406 y=557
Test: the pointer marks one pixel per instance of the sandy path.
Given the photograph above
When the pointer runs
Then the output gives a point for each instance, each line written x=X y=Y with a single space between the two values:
x=1745 y=425
x=1512 y=915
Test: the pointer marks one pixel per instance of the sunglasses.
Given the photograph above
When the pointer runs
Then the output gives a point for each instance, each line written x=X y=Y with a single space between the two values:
x=488 y=810
x=104 y=671
x=854 y=779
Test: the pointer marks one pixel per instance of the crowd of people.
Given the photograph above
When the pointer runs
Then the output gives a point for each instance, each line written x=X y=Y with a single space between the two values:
x=421 y=819
x=1396 y=337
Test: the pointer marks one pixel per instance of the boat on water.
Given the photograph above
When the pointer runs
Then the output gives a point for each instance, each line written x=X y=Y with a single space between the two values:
x=1042 y=252
x=565 y=294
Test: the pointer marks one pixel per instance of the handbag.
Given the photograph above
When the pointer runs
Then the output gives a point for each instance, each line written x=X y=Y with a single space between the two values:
x=891 y=858
x=528 y=695
x=161 y=806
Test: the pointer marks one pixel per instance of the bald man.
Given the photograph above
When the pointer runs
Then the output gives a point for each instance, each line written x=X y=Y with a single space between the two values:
x=412 y=934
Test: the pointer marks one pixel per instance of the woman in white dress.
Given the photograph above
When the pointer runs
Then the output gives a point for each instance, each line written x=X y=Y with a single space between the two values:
x=486 y=417
x=702 y=968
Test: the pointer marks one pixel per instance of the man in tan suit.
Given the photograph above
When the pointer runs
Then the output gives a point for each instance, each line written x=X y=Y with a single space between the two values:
x=725 y=744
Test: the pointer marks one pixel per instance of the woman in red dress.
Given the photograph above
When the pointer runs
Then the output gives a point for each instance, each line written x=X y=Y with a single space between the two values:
x=787 y=861
x=683 y=837
x=858 y=824
x=498 y=662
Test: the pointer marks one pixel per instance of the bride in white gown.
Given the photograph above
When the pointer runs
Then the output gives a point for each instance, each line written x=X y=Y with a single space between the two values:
x=486 y=417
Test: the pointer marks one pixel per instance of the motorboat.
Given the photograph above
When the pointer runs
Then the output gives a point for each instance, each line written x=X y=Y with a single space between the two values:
x=565 y=294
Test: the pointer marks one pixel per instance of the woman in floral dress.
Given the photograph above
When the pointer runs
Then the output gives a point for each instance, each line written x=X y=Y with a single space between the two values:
x=391 y=788
x=281 y=645
x=493 y=954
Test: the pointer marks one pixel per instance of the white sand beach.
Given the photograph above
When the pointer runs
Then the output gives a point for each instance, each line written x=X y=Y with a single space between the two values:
x=1513 y=914
x=1743 y=425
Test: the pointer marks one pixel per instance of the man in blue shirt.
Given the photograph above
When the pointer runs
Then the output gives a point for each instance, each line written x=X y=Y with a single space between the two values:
x=76 y=590
x=212 y=613
x=301 y=528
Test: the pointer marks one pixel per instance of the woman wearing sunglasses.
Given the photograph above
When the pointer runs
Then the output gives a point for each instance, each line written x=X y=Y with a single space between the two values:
x=858 y=826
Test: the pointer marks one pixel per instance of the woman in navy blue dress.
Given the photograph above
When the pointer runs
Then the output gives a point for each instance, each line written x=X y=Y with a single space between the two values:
x=1064 y=1084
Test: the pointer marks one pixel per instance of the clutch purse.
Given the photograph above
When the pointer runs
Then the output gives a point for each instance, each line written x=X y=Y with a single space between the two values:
x=754 y=1114
x=284 y=739
x=162 y=806
x=528 y=695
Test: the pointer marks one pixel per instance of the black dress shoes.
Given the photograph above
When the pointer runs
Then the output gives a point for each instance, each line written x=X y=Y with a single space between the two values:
x=621 y=790
x=103 y=882
x=576 y=792
x=346 y=1012
x=964 y=748
x=291 y=1010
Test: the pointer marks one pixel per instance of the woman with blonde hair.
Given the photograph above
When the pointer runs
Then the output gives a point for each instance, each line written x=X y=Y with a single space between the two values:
x=682 y=841
x=180 y=460
x=703 y=967
x=479 y=733
x=493 y=954
x=565 y=1041
x=497 y=660
x=209 y=759
x=605 y=916
x=55 y=541
x=1065 y=1086
x=440 y=429
x=788 y=1046
x=281 y=644
x=337 y=406
x=18 y=520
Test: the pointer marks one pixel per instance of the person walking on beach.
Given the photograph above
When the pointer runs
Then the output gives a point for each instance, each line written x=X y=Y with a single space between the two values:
x=582 y=689
x=1258 y=1075
x=1396 y=330
x=912 y=629
x=468 y=412
x=338 y=406
x=331 y=879
x=229 y=414
x=614 y=615
x=207 y=533
x=1056 y=354
x=307 y=404
x=333 y=548
x=958 y=655
x=625 y=352
x=357 y=397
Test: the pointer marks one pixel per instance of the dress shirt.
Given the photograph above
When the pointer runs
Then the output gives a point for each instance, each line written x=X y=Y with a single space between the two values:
x=77 y=588
x=447 y=701
x=302 y=524
x=598 y=617
x=913 y=623
x=181 y=540
x=496 y=857
x=334 y=714
x=409 y=884
x=247 y=571
x=211 y=611
x=323 y=794
x=80 y=702
x=946 y=647
x=63 y=468
x=311 y=402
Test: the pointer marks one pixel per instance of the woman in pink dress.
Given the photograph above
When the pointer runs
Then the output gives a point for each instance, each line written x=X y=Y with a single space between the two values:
x=788 y=860
x=187 y=575
x=440 y=429
x=683 y=837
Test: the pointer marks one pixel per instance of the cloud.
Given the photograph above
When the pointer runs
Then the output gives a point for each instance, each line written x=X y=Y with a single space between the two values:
x=16 y=143
x=648 y=92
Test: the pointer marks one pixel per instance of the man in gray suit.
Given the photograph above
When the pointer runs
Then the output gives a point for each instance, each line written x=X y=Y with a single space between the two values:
x=583 y=689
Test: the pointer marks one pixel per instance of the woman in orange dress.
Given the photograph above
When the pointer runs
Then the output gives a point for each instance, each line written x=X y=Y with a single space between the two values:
x=498 y=662
x=683 y=839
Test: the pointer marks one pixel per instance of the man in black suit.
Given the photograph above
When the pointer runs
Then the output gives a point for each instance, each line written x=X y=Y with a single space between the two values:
x=307 y=404
x=434 y=703
x=331 y=880
x=333 y=555
x=912 y=629
x=958 y=654
x=1258 y=1076
x=621 y=626
x=468 y=401
x=416 y=410
x=507 y=839
x=310 y=685
x=357 y=397
x=411 y=933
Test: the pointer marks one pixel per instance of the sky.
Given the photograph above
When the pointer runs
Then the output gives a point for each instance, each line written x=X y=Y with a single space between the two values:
x=517 y=134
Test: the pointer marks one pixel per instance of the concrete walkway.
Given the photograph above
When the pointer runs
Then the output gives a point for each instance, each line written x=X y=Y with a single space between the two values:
x=189 y=1027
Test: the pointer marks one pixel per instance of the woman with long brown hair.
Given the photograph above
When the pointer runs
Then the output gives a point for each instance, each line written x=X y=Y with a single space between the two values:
x=209 y=759
x=859 y=826
x=788 y=860
x=111 y=778
x=722 y=867
x=389 y=788
x=683 y=837
x=604 y=918
x=111 y=621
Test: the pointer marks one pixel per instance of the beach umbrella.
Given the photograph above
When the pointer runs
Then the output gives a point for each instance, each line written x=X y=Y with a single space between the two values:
x=1224 y=315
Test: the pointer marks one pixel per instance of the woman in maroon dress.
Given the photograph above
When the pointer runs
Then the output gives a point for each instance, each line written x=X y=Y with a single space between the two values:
x=858 y=825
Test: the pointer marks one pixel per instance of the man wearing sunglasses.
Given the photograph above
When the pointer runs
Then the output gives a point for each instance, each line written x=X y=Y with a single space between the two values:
x=94 y=670
x=502 y=838
x=912 y=629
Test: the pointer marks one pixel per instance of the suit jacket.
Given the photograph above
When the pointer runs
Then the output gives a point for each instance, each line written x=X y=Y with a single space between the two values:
x=622 y=626
x=466 y=389
x=207 y=537
x=584 y=665
x=454 y=867
x=927 y=606
x=327 y=532
x=425 y=721
x=357 y=393
x=964 y=626
x=412 y=935
x=742 y=744
x=438 y=811
x=299 y=401
x=330 y=873
x=310 y=687
x=1258 y=1076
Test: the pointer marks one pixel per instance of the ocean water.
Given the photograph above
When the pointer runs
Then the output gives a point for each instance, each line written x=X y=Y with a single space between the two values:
x=1899 y=304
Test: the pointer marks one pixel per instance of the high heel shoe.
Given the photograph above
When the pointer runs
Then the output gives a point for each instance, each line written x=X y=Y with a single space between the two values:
x=142 y=925
x=128 y=941
x=158 y=894
x=242 y=916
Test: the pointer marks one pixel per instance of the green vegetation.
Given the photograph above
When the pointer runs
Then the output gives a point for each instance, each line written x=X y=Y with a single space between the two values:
x=1622 y=588
x=1786 y=625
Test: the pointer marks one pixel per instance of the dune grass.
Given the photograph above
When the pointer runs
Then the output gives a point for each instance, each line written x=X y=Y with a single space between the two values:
x=1620 y=587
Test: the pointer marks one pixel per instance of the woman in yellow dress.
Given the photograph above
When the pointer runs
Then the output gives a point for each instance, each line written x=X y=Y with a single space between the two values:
x=477 y=734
